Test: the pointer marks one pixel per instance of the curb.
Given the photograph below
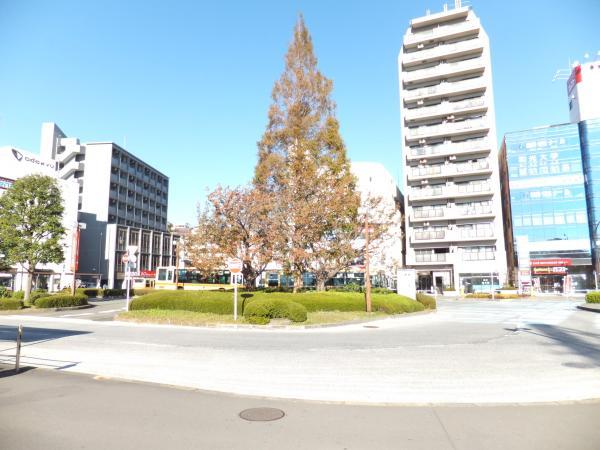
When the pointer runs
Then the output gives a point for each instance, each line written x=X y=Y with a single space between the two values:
x=589 y=308
x=69 y=308
x=287 y=327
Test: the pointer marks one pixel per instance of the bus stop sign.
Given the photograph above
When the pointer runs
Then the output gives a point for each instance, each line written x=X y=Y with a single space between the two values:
x=234 y=265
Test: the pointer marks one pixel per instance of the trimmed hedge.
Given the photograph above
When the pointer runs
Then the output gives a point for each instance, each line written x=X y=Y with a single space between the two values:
x=89 y=292
x=5 y=292
x=426 y=300
x=61 y=301
x=19 y=295
x=263 y=310
x=143 y=291
x=116 y=293
x=7 y=304
x=592 y=297
x=35 y=296
x=199 y=301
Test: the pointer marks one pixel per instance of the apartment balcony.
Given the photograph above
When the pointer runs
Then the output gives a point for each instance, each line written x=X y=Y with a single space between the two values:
x=481 y=167
x=447 y=129
x=445 y=109
x=453 y=191
x=442 y=52
x=441 y=31
x=69 y=152
x=470 y=147
x=431 y=258
x=444 y=70
x=455 y=235
x=445 y=89
x=444 y=214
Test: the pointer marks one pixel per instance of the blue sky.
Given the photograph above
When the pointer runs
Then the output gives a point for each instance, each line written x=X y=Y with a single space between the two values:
x=186 y=85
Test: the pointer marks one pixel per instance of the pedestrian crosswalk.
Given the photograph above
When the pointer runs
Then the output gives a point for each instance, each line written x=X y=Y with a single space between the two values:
x=518 y=313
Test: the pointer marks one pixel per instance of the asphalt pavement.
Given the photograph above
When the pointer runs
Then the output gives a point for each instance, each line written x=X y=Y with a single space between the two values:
x=466 y=352
x=49 y=409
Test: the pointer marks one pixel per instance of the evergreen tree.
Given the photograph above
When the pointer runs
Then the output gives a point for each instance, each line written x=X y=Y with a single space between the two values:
x=302 y=165
x=31 y=224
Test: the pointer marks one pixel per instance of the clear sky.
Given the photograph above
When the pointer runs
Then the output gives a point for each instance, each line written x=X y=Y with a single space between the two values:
x=185 y=85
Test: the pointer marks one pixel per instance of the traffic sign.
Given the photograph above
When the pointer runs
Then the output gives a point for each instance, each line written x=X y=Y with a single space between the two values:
x=234 y=265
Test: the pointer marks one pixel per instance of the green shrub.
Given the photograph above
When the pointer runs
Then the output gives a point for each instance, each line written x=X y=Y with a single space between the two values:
x=89 y=292
x=426 y=300
x=61 y=301
x=350 y=287
x=19 y=295
x=478 y=295
x=7 y=304
x=216 y=302
x=382 y=290
x=36 y=295
x=592 y=297
x=115 y=293
x=143 y=291
x=268 y=308
x=508 y=287
x=489 y=296
x=5 y=292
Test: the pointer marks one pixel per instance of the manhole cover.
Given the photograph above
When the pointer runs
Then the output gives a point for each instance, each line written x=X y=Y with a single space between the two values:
x=370 y=326
x=262 y=414
x=579 y=365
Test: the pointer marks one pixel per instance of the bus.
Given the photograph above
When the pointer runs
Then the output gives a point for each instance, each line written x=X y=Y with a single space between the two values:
x=169 y=277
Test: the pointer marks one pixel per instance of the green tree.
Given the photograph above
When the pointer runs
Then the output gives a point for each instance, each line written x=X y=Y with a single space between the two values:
x=302 y=165
x=31 y=224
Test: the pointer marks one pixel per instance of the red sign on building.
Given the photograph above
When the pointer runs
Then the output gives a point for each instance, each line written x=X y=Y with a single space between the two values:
x=560 y=262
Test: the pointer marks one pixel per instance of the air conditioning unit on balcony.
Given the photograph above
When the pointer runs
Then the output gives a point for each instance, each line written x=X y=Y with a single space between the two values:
x=422 y=161
x=420 y=102
x=424 y=181
x=452 y=157
x=422 y=141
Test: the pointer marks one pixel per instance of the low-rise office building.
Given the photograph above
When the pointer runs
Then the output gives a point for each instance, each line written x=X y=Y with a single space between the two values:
x=122 y=200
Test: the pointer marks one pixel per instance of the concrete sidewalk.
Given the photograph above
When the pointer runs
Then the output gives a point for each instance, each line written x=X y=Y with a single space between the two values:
x=592 y=307
x=43 y=409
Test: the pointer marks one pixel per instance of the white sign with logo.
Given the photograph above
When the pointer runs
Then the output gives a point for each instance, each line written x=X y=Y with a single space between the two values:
x=16 y=163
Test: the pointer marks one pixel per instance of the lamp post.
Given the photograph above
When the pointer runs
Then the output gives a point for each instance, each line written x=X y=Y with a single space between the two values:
x=75 y=253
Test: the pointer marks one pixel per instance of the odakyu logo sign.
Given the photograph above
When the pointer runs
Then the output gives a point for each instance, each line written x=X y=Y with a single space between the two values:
x=17 y=154
x=20 y=157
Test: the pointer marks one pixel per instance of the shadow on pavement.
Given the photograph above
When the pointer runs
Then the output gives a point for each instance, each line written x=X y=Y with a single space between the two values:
x=35 y=335
x=572 y=340
x=9 y=371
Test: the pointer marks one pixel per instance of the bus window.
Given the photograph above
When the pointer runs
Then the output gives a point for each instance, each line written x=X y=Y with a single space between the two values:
x=163 y=275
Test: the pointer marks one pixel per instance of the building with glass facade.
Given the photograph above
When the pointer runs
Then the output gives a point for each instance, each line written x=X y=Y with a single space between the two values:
x=589 y=134
x=547 y=232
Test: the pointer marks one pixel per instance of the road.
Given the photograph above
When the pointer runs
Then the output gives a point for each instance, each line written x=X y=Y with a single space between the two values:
x=50 y=410
x=467 y=352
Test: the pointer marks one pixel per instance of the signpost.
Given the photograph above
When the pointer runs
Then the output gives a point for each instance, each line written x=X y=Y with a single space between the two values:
x=235 y=266
x=129 y=259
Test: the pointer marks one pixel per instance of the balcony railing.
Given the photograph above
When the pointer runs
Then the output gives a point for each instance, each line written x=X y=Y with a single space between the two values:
x=449 y=148
x=429 y=235
x=475 y=211
x=445 y=89
x=450 y=169
x=445 y=108
x=430 y=257
x=458 y=190
x=428 y=213
x=443 y=70
x=446 y=129
x=445 y=50
x=440 y=31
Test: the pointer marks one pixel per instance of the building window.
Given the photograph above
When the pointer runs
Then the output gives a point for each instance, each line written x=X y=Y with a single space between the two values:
x=121 y=238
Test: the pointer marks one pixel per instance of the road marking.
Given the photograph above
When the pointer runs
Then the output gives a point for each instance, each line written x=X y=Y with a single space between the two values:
x=110 y=311
x=78 y=315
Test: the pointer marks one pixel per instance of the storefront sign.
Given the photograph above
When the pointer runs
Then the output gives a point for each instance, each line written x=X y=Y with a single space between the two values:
x=551 y=262
x=147 y=273
x=549 y=270
x=5 y=183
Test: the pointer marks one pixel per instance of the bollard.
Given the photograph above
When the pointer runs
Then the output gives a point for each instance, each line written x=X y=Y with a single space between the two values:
x=18 y=354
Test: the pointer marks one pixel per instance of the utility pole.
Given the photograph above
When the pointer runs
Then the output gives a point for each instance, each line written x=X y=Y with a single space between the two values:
x=367 y=263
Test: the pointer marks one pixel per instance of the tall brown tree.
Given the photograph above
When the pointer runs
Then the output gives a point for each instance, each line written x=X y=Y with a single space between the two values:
x=236 y=223
x=303 y=167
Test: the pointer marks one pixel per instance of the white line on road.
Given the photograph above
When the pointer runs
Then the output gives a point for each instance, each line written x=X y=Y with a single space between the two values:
x=77 y=315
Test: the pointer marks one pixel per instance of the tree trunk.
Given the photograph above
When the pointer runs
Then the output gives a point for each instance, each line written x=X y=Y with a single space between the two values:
x=27 y=288
x=321 y=284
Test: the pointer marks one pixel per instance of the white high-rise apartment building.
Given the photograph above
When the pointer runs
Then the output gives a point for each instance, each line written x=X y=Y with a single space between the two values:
x=454 y=233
